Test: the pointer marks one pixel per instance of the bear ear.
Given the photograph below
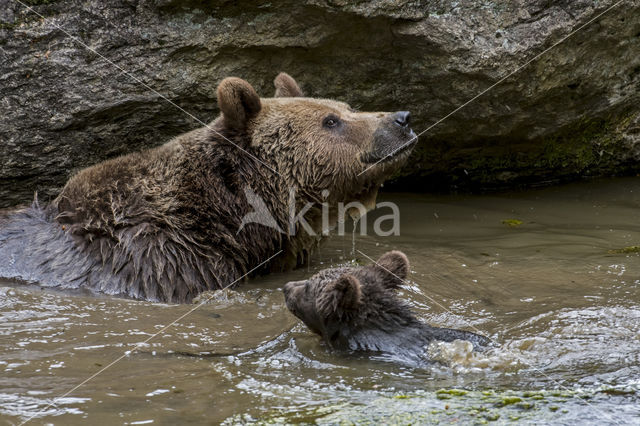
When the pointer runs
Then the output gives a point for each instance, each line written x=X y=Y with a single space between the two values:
x=238 y=102
x=344 y=294
x=286 y=87
x=395 y=265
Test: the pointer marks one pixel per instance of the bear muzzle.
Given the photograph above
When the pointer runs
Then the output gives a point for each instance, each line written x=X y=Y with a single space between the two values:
x=291 y=285
x=289 y=296
x=392 y=138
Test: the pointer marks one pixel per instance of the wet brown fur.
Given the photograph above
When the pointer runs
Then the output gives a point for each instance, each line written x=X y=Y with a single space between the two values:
x=358 y=309
x=163 y=224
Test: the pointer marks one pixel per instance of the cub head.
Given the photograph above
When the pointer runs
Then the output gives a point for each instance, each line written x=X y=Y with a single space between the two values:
x=316 y=145
x=337 y=303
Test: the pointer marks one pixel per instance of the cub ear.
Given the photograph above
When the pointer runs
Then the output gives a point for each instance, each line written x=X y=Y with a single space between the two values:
x=344 y=294
x=395 y=265
x=238 y=102
x=286 y=87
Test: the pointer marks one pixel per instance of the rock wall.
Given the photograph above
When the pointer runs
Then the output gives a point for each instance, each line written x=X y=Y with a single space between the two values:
x=572 y=112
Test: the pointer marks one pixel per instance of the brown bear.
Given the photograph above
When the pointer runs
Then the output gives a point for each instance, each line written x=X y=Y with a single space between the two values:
x=167 y=223
x=357 y=309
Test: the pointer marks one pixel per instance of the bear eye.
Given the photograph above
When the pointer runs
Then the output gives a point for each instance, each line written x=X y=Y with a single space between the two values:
x=331 y=121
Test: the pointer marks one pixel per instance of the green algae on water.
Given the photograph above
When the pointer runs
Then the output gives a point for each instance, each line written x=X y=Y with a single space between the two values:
x=512 y=223
x=465 y=406
x=509 y=400
x=451 y=392
x=625 y=250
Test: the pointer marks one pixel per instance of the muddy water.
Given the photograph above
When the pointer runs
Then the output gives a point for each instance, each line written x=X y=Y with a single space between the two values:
x=554 y=291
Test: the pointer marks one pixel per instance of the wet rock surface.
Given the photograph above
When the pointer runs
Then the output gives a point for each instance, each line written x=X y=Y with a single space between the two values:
x=82 y=81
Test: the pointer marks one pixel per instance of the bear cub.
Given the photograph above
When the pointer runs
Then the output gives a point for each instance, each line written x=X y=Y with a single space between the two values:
x=358 y=309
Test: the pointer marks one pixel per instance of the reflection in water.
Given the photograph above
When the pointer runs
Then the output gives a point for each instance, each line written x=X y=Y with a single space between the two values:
x=556 y=292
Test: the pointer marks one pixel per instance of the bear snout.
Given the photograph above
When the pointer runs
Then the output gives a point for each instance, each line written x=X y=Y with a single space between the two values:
x=288 y=287
x=393 y=137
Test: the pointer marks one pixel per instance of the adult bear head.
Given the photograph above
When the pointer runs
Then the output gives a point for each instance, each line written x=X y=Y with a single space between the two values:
x=324 y=148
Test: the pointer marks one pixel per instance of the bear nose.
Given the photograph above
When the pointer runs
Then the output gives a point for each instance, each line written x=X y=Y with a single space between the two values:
x=402 y=118
x=290 y=286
